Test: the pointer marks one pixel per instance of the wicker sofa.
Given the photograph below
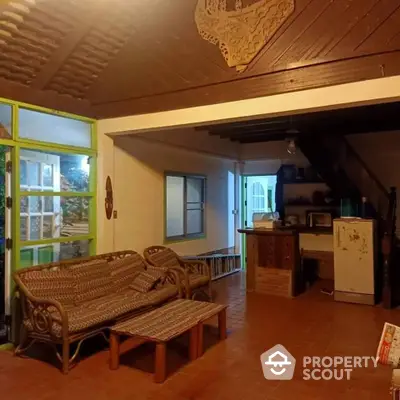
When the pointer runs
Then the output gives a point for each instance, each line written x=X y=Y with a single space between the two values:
x=70 y=301
x=195 y=274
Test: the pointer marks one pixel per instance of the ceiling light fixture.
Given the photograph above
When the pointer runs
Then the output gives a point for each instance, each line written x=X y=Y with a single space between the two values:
x=291 y=147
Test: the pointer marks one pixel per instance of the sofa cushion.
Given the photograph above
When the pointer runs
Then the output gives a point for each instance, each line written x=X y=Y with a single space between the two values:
x=124 y=270
x=92 y=280
x=108 y=308
x=147 y=280
x=56 y=285
x=164 y=258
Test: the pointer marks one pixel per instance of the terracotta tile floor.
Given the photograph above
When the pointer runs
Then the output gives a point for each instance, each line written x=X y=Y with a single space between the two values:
x=310 y=325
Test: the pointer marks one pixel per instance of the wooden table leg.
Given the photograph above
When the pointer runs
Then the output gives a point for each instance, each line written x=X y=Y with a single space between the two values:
x=222 y=324
x=193 y=343
x=161 y=362
x=200 y=339
x=114 y=350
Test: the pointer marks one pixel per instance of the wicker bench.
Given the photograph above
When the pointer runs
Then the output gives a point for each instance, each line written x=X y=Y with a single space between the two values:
x=164 y=324
x=70 y=301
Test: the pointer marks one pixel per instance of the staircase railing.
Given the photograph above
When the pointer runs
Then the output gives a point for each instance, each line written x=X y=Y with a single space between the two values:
x=339 y=163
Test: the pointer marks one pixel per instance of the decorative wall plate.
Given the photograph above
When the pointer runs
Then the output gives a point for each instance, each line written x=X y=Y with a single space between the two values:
x=243 y=32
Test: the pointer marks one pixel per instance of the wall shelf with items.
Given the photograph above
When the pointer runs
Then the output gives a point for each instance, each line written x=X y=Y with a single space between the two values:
x=220 y=264
x=301 y=191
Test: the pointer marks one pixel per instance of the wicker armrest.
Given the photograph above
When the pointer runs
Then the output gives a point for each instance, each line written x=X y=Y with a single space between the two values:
x=45 y=316
x=173 y=276
x=197 y=266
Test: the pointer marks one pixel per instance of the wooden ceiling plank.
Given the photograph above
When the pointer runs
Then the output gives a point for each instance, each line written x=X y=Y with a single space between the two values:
x=365 y=27
x=282 y=39
x=70 y=42
x=383 y=35
x=322 y=32
x=357 y=12
x=261 y=61
x=317 y=27
x=327 y=38
x=310 y=15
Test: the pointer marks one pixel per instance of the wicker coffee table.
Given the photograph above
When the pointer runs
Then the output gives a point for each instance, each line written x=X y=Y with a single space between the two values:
x=164 y=324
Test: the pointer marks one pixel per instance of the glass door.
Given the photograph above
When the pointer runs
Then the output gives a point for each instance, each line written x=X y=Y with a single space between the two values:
x=40 y=216
x=5 y=242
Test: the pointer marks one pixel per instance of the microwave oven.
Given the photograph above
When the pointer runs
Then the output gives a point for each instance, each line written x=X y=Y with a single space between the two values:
x=317 y=219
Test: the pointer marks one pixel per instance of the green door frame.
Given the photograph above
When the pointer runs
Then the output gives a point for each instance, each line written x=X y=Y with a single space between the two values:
x=16 y=144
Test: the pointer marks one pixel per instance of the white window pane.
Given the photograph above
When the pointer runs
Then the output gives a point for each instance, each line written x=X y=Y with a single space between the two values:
x=194 y=221
x=53 y=128
x=33 y=174
x=175 y=205
x=5 y=121
x=194 y=190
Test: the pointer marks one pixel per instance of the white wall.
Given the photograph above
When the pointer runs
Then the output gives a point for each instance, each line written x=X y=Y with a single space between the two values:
x=139 y=168
x=195 y=140
x=266 y=158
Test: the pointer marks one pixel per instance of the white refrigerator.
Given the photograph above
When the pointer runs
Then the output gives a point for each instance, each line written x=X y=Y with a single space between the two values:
x=354 y=246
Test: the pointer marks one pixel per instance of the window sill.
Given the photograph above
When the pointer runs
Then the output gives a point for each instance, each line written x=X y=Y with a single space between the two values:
x=184 y=239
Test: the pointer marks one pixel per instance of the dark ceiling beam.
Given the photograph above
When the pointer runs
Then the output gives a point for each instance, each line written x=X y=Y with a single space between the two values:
x=252 y=124
x=259 y=139
x=243 y=132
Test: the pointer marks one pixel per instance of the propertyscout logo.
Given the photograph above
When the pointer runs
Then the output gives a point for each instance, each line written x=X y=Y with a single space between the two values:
x=278 y=364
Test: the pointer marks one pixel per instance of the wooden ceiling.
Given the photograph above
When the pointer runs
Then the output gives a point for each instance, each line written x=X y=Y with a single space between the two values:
x=105 y=58
x=366 y=119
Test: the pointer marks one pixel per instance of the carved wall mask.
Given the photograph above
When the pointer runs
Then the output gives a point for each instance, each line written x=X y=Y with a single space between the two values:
x=243 y=32
x=109 y=201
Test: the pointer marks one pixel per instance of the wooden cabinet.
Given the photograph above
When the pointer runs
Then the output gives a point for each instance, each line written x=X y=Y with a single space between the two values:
x=273 y=261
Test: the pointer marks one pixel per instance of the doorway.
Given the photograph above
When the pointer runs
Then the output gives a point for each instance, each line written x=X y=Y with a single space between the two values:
x=257 y=196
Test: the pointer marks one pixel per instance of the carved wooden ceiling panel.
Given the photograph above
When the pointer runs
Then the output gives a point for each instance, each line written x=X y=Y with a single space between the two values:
x=117 y=57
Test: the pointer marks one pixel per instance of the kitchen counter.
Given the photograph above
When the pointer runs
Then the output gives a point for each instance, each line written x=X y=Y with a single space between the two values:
x=273 y=261
x=288 y=230
x=307 y=229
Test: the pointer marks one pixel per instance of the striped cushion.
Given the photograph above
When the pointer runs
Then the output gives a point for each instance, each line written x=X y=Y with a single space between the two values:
x=56 y=285
x=164 y=258
x=146 y=281
x=124 y=271
x=93 y=280
x=108 y=308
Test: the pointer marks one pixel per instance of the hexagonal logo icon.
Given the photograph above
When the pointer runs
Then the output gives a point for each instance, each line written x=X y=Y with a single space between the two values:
x=278 y=364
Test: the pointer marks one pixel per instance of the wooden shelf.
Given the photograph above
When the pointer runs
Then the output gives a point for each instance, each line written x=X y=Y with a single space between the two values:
x=226 y=274
x=220 y=264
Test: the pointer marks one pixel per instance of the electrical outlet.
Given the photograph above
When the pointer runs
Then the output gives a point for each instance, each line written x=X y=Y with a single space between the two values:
x=115 y=214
